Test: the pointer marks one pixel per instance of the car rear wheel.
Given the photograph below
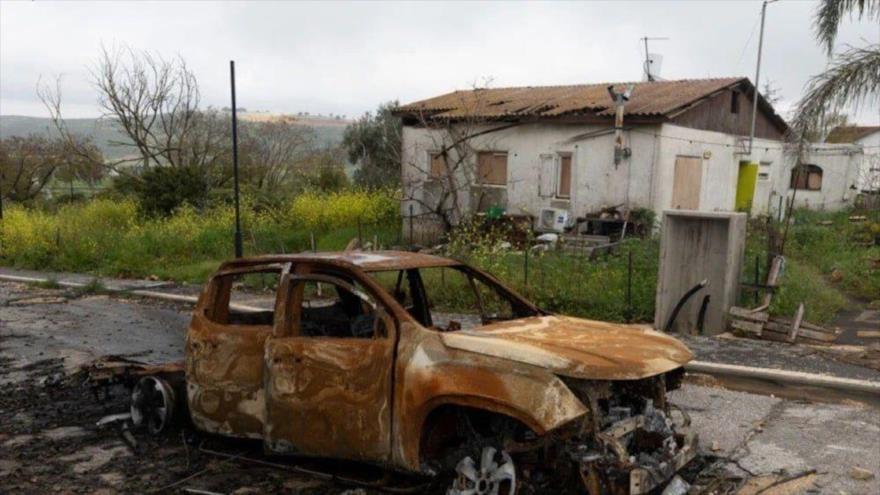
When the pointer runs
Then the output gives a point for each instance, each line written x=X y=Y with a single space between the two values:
x=494 y=473
x=152 y=404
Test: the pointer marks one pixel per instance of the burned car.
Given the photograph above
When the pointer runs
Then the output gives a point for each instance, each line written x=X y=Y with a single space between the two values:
x=422 y=364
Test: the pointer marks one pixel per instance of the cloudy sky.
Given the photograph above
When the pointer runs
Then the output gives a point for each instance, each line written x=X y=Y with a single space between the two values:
x=345 y=58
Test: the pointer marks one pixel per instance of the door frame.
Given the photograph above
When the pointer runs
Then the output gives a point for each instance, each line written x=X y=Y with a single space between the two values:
x=288 y=359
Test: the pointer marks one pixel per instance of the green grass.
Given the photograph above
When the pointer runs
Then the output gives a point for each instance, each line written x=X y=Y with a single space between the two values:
x=827 y=264
x=830 y=261
x=110 y=238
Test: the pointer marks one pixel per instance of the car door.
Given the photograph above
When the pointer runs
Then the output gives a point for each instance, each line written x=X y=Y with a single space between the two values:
x=224 y=351
x=329 y=364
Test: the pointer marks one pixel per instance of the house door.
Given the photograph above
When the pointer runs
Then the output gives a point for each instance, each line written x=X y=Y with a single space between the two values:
x=328 y=390
x=687 y=183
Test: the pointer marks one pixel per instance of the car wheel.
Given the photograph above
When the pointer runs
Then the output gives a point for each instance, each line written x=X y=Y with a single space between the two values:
x=152 y=404
x=493 y=474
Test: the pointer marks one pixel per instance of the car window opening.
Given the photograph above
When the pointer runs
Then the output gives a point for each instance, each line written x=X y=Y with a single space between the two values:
x=452 y=298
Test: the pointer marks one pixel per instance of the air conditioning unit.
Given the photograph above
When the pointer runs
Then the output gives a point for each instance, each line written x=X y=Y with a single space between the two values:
x=552 y=220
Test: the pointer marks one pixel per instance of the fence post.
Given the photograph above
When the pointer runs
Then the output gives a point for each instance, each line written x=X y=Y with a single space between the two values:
x=312 y=242
x=526 y=262
x=360 y=235
x=411 y=214
x=757 y=277
x=629 y=287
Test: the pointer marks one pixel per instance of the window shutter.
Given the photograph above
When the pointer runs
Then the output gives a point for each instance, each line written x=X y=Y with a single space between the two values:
x=547 y=176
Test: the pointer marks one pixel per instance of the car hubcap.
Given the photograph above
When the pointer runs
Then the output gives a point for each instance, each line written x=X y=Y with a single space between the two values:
x=495 y=475
x=152 y=404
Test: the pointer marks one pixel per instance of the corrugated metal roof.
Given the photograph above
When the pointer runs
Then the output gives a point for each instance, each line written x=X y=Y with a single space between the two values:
x=850 y=133
x=649 y=99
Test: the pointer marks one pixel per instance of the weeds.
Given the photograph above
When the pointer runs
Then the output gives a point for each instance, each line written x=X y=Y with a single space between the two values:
x=50 y=283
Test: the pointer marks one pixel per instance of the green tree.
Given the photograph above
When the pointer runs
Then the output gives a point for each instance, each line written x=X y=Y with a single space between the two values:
x=853 y=77
x=373 y=143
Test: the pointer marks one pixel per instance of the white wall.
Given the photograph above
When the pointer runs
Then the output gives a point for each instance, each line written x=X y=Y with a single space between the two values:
x=596 y=181
x=869 y=172
x=643 y=180
x=840 y=171
x=721 y=160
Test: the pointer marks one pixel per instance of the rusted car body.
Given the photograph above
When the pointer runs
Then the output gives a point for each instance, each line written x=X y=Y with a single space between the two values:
x=370 y=377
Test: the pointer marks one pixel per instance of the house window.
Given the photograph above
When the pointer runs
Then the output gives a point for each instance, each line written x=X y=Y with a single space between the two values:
x=437 y=169
x=734 y=102
x=492 y=168
x=807 y=177
x=563 y=189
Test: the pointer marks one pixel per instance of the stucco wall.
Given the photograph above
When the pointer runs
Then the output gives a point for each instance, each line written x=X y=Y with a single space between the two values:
x=840 y=170
x=646 y=178
x=596 y=181
x=869 y=172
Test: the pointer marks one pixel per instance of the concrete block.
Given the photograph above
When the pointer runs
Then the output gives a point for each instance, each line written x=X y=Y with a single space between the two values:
x=698 y=245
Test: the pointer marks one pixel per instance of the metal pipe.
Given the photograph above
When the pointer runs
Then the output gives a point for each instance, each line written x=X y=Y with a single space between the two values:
x=238 y=242
x=758 y=75
x=687 y=295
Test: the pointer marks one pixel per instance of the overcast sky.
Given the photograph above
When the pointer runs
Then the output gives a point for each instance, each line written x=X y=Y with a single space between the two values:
x=346 y=58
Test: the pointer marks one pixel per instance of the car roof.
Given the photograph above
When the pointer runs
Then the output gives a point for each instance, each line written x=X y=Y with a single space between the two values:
x=369 y=261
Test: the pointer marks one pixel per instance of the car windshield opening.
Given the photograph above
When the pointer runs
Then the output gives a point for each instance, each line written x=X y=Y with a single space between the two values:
x=451 y=298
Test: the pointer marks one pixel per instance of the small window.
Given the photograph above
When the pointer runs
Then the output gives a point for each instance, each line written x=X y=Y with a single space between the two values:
x=438 y=165
x=492 y=168
x=734 y=102
x=764 y=170
x=564 y=182
x=806 y=177
x=337 y=310
x=246 y=297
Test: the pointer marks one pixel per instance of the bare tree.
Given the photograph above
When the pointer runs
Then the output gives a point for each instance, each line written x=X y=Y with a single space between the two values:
x=450 y=184
x=27 y=164
x=84 y=159
x=272 y=150
x=155 y=101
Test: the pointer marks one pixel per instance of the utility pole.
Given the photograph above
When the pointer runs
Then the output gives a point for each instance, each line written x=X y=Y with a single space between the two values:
x=238 y=246
x=758 y=74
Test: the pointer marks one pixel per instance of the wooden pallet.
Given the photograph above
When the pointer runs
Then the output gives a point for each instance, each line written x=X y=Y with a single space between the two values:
x=761 y=325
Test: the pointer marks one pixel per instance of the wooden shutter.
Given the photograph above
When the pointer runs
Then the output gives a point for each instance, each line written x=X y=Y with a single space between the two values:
x=492 y=168
x=438 y=165
x=547 y=172
x=687 y=183
x=564 y=190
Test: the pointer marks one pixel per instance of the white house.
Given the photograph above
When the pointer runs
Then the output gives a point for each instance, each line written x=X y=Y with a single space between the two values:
x=868 y=139
x=683 y=144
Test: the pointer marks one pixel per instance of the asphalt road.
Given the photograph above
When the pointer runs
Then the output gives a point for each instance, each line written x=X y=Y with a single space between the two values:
x=763 y=435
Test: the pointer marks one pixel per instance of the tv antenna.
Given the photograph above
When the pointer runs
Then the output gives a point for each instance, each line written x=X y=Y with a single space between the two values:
x=648 y=61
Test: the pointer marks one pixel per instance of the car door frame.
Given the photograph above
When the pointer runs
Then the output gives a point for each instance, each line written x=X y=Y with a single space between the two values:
x=319 y=400
x=224 y=372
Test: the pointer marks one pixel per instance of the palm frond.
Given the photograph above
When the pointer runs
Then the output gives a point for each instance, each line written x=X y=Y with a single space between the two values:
x=831 y=13
x=853 y=79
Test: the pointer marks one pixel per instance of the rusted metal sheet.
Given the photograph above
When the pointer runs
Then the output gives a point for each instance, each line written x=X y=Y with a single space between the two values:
x=330 y=397
x=577 y=347
x=371 y=398
x=648 y=98
x=224 y=375
x=368 y=261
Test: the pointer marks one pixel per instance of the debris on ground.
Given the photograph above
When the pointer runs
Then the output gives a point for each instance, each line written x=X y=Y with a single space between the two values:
x=860 y=474
x=758 y=323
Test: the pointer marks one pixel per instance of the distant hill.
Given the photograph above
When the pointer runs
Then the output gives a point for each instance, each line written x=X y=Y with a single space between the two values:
x=329 y=131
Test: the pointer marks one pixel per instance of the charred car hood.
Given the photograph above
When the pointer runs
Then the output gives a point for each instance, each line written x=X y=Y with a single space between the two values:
x=575 y=347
